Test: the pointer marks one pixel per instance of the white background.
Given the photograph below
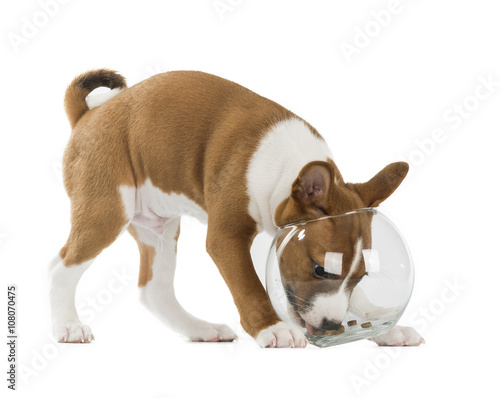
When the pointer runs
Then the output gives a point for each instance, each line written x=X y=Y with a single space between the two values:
x=382 y=106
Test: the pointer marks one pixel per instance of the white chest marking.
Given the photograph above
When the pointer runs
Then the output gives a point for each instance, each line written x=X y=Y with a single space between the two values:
x=150 y=207
x=281 y=154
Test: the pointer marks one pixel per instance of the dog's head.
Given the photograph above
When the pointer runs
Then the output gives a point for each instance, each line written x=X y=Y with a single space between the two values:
x=321 y=268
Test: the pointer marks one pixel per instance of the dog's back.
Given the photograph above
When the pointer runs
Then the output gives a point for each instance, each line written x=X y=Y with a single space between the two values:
x=179 y=129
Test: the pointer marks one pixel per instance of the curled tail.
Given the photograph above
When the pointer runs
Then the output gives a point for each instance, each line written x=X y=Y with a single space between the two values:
x=74 y=99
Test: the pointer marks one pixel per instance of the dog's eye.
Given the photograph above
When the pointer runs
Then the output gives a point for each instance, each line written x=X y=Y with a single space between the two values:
x=319 y=271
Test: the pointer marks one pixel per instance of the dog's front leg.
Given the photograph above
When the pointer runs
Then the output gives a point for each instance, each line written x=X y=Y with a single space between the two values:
x=230 y=250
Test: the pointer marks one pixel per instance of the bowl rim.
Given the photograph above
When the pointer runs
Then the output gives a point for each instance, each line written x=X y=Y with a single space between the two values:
x=330 y=216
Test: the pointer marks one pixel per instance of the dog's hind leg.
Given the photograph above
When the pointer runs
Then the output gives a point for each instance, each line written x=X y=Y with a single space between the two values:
x=156 y=282
x=96 y=221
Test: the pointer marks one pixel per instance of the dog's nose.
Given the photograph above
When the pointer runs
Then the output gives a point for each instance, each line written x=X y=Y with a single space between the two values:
x=330 y=325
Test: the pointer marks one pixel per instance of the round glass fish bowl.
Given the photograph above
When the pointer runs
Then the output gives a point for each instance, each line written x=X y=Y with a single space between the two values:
x=340 y=278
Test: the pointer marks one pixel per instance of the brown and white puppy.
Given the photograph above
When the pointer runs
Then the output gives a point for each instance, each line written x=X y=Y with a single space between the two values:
x=192 y=143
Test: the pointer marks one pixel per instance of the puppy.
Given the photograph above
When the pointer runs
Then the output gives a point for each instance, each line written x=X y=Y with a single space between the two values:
x=192 y=143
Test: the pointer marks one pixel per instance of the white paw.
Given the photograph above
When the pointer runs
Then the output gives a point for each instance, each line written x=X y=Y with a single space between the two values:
x=281 y=335
x=73 y=333
x=399 y=336
x=212 y=333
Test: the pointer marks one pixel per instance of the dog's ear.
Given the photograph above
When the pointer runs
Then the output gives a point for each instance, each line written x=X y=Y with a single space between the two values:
x=311 y=194
x=380 y=187
x=312 y=186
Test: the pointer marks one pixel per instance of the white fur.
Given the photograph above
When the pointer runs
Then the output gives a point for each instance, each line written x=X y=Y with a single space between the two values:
x=281 y=155
x=151 y=201
x=156 y=218
x=281 y=335
x=151 y=208
x=399 y=336
x=333 y=307
x=158 y=295
x=66 y=325
x=95 y=100
x=128 y=200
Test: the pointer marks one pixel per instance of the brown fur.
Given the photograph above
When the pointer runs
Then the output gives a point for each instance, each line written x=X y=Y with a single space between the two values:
x=96 y=162
x=332 y=196
x=148 y=254
x=190 y=133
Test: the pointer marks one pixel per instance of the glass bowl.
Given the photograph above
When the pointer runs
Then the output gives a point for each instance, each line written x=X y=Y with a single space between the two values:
x=340 y=278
